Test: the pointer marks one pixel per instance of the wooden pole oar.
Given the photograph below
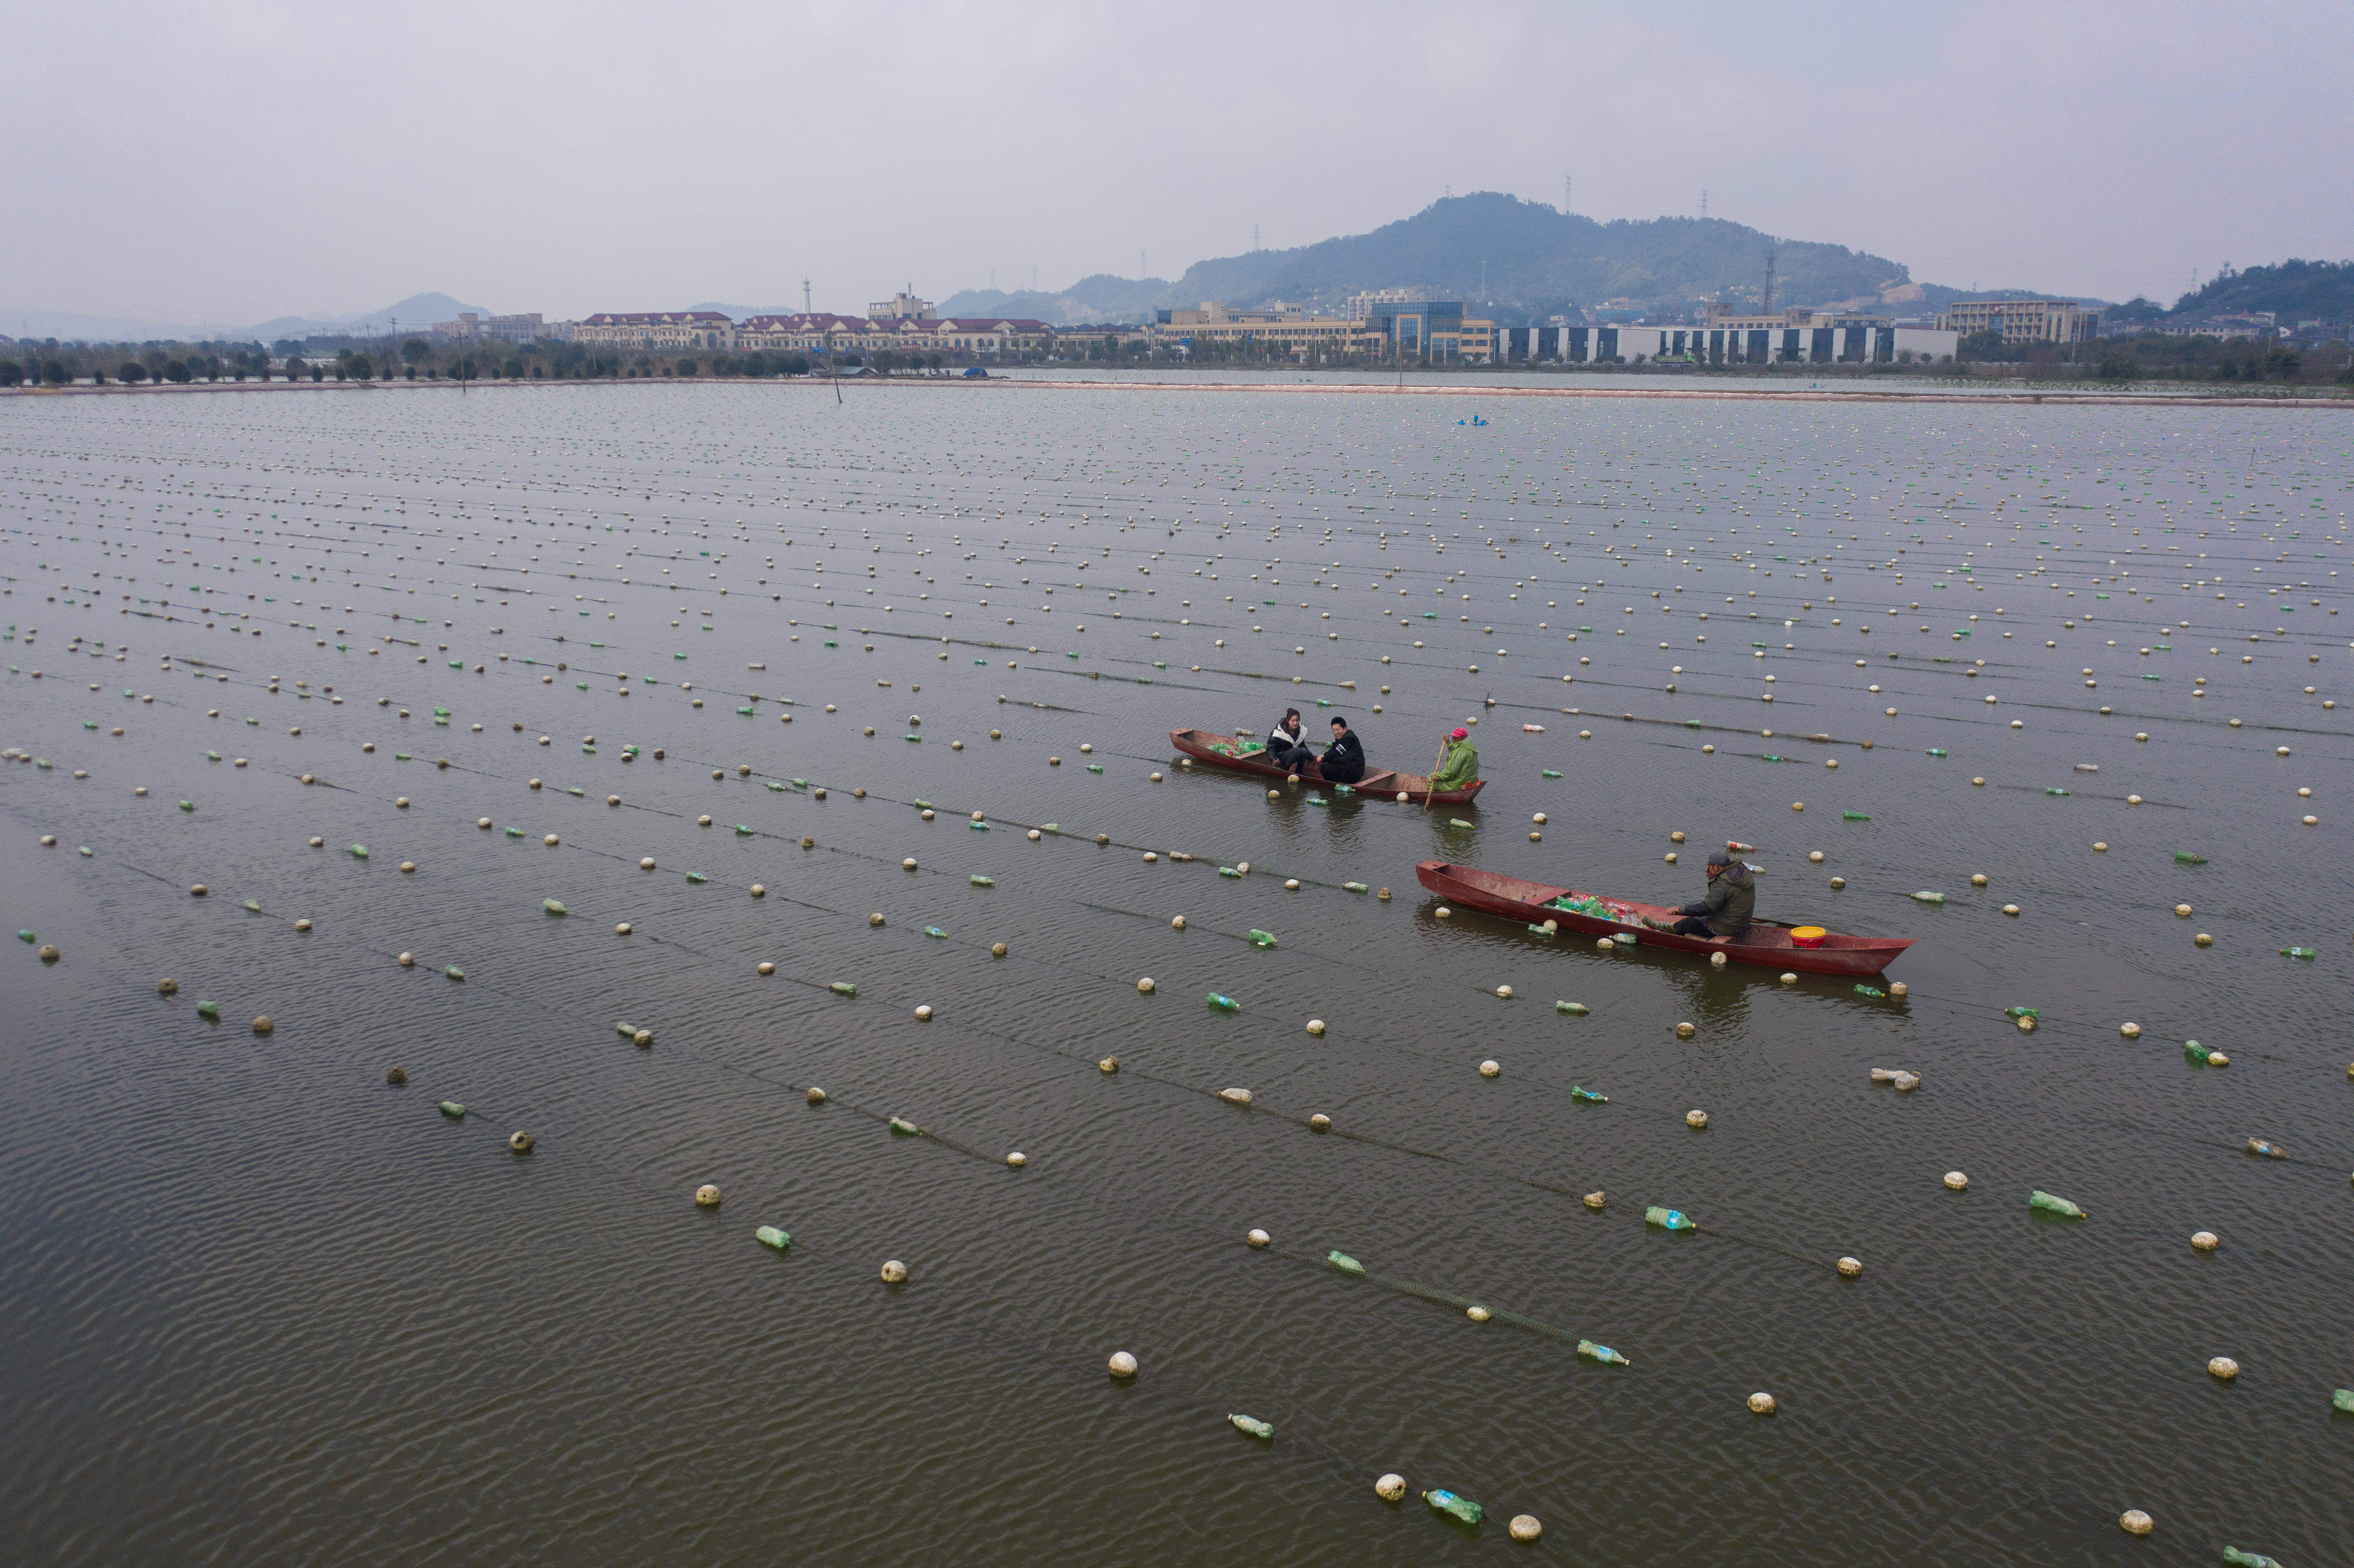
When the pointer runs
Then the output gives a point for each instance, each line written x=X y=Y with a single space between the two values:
x=1429 y=785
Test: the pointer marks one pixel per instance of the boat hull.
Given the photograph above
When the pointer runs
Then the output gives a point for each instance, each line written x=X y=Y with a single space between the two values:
x=1764 y=942
x=1381 y=783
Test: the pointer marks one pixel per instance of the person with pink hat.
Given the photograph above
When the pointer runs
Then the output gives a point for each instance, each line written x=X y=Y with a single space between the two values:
x=1459 y=765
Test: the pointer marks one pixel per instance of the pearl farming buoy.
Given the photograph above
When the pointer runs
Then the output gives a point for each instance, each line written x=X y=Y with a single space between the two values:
x=2203 y=940
x=408 y=960
x=1490 y=1069
x=168 y=987
x=1851 y=1268
x=1235 y=1096
x=645 y=863
x=1145 y=985
x=997 y=949
x=706 y=1196
x=1319 y=1122
x=895 y=1272
x=1177 y=923
x=924 y=1013
x=1525 y=1527
x=1477 y=1314
x=1696 y=1119
x=1390 y=1487
x=1977 y=879
x=1505 y=992
x=1762 y=1404
x=397 y=1076
x=1109 y=1065
x=1595 y=1199
x=2205 y=1241
x=520 y=1142
x=1259 y=1238
x=2130 y=1031
x=816 y=1096
x=2224 y=1368
x=1956 y=1181
x=1442 y=912
x=2133 y=1521
x=1315 y=1026
x=262 y=1025
x=765 y=967
x=1789 y=977
x=1685 y=1030
x=1121 y=1364
x=759 y=891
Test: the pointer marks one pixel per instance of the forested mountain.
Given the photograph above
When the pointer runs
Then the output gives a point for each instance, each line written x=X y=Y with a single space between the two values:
x=1535 y=260
x=2294 y=290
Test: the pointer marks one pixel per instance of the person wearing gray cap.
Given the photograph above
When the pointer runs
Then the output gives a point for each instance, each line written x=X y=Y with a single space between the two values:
x=1726 y=909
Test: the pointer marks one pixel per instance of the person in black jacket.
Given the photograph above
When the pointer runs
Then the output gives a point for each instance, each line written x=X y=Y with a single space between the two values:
x=1344 y=761
x=1727 y=908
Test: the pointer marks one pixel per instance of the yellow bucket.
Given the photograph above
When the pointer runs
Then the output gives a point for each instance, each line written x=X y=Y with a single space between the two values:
x=1808 y=935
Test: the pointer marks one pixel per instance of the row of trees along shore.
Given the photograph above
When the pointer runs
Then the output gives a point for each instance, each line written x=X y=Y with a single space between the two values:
x=2145 y=356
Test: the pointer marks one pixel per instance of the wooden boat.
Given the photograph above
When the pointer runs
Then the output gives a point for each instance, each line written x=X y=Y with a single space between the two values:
x=1766 y=942
x=1382 y=783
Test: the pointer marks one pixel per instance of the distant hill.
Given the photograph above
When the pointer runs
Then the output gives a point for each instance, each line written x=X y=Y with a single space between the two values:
x=1099 y=298
x=419 y=310
x=1536 y=261
x=2295 y=291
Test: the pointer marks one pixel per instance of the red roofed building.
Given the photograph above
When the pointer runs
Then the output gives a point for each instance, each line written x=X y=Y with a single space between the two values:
x=664 y=331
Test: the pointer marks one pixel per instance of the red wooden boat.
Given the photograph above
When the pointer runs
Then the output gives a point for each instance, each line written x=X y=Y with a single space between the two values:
x=1766 y=942
x=1382 y=783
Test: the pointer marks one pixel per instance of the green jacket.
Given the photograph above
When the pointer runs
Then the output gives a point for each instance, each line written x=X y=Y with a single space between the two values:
x=1461 y=767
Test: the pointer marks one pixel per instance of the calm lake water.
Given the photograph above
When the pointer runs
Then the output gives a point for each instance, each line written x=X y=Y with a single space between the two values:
x=263 y=1307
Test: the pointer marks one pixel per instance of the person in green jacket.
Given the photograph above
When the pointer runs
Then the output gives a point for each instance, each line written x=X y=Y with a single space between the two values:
x=1461 y=765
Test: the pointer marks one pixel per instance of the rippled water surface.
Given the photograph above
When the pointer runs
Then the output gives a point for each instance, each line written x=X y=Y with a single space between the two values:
x=263 y=1307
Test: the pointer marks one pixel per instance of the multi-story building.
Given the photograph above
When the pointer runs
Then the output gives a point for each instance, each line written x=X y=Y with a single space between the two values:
x=965 y=336
x=1800 y=336
x=516 y=328
x=2023 y=321
x=471 y=327
x=661 y=332
x=902 y=307
x=1394 y=322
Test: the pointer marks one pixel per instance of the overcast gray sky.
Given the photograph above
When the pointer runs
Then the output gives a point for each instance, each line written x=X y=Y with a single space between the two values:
x=234 y=160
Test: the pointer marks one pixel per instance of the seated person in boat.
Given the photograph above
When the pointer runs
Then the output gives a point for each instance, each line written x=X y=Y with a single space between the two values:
x=1344 y=761
x=1286 y=745
x=1460 y=766
x=1725 y=910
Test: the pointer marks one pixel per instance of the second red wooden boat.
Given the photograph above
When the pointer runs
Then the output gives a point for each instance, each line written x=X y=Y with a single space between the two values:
x=1764 y=942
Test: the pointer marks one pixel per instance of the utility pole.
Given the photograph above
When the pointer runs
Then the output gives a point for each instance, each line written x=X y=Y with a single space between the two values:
x=1254 y=237
x=1703 y=201
x=805 y=296
x=1768 y=309
x=1141 y=273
